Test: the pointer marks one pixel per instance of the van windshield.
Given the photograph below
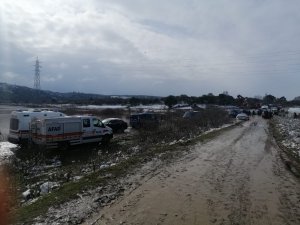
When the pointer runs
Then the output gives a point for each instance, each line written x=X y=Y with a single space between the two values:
x=97 y=123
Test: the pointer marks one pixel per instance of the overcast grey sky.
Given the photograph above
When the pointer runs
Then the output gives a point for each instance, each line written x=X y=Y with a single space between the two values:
x=153 y=47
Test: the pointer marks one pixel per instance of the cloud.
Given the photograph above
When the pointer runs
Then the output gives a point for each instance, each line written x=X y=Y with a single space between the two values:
x=85 y=67
x=133 y=46
x=9 y=76
x=52 y=78
x=60 y=65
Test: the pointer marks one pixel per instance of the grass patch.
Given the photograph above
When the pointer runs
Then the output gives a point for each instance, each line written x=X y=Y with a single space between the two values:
x=26 y=213
x=69 y=191
x=210 y=135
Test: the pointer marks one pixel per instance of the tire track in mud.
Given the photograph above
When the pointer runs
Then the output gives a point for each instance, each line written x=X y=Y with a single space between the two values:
x=238 y=178
x=230 y=181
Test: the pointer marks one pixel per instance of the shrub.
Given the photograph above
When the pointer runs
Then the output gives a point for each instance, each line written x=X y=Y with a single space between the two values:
x=102 y=113
x=175 y=127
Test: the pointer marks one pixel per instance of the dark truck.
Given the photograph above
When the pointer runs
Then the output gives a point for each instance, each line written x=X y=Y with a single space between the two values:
x=139 y=120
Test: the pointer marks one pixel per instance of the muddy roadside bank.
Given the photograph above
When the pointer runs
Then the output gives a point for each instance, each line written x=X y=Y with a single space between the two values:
x=102 y=187
x=127 y=177
x=44 y=180
x=286 y=132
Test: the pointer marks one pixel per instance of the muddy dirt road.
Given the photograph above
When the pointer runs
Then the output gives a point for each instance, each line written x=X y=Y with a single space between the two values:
x=237 y=178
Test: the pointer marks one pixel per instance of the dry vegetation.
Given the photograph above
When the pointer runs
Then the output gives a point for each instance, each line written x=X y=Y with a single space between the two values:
x=175 y=127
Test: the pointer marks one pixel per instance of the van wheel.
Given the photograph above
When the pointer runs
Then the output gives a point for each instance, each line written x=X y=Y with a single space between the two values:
x=120 y=131
x=24 y=144
x=64 y=145
x=105 y=140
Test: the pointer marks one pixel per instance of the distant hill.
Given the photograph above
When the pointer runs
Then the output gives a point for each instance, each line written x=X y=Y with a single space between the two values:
x=21 y=94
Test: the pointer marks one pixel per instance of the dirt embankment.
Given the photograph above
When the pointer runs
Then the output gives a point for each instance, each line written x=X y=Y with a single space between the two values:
x=237 y=178
x=286 y=131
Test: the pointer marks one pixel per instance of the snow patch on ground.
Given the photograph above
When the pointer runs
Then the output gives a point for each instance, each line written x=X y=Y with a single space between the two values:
x=145 y=107
x=6 y=151
x=289 y=128
x=102 y=107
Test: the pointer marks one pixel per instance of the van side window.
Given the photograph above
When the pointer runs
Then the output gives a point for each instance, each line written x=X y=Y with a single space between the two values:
x=14 y=124
x=86 y=123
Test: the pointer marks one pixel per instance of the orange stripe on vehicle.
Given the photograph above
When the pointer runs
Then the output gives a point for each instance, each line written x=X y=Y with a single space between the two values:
x=59 y=135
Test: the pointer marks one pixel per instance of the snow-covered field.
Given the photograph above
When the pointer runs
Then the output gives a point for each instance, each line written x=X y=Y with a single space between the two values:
x=6 y=151
x=290 y=130
x=101 y=107
x=145 y=107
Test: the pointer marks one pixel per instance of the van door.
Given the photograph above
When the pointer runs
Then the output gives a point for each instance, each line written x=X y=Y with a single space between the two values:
x=90 y=133
x=101 y=131
x=98 y=126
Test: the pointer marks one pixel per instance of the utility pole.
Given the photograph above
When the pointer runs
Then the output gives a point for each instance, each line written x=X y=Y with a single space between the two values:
x=37 y=83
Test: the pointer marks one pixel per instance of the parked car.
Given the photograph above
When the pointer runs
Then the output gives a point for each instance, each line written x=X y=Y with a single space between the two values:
x=116 y=124
x=242 y=116
x=145 y=119
x=246 y=111
x=275 y=110
x=191 y=114
x=234 y=112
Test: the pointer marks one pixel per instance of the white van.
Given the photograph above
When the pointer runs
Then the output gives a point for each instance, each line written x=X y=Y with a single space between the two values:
x=20 y=123
x=70 y=130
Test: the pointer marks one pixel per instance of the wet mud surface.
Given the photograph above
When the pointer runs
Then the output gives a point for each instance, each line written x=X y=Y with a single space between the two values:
x=237 y=178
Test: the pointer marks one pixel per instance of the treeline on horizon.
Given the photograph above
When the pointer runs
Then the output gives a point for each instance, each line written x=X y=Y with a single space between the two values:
x=226 y=99
x=14 y=94
x=171 y=100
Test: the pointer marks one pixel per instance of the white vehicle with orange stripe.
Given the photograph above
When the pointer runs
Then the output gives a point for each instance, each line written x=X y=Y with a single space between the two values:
x=20 y=120
x=70 y=130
